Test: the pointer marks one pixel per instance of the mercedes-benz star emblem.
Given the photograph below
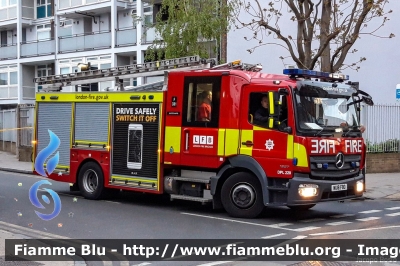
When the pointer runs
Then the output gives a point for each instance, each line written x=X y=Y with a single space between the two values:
x=339 y=160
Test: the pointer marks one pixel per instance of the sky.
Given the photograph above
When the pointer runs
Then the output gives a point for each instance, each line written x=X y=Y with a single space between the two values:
x=378 y=75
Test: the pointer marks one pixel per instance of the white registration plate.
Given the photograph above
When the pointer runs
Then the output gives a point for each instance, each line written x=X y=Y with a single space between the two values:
x=339 y=187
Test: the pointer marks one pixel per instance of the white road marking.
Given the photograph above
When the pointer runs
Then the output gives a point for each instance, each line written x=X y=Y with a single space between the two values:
x=39 y=234
x=272 y=236
x=370 y=211
x=354 y=230
x=392 y=208
x=368 y=219
x=393 y=214
x=141 y=264
x=306 y=228
x=299 y=237
x=338 y=223
x=342 y=215
x=214 y=263
x=281 y=224
x=237 y=221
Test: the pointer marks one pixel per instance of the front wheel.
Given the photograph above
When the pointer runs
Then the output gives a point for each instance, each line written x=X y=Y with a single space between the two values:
x=91 y=181
x=241 y=196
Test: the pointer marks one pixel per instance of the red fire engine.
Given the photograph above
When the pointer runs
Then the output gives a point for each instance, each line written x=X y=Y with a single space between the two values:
x=200 y=135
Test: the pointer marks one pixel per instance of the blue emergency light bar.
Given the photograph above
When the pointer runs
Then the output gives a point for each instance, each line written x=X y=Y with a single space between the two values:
x=314 y=74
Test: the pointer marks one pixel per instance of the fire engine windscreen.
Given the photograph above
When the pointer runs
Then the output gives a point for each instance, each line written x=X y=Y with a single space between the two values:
x=324 y=105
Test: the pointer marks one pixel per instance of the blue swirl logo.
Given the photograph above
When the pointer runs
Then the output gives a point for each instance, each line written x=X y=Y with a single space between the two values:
x=45 y=153
x=35 y=201
x=50 y=167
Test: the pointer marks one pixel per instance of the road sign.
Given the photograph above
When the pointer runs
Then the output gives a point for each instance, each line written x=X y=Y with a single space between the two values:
x=398 y=94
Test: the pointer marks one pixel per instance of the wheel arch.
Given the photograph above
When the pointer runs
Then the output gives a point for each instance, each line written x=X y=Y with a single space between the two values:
x=240 y=163
x=81 y=165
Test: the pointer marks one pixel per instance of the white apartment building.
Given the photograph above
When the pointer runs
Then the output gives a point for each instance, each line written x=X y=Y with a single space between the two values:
x=50 y=37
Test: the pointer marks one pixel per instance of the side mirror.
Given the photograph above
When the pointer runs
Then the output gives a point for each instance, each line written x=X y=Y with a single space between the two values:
x=366 y=97
x=287 y=130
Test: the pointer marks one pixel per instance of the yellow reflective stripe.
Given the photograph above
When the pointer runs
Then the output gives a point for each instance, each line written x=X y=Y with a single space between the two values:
x=172 y=139
x=289 y=148
x=118 y=96
x=260 y=128
x=271 y=103
x=109 y=125
x=231 y=141
x=299 y=152
x=246 y=135
x=133 y=179
x=34 y=144
x=221 y=142
x=72 y=126
x=159 y=148
x=90 y=142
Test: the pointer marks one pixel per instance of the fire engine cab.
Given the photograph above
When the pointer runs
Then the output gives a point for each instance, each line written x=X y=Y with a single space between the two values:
x=225 y=134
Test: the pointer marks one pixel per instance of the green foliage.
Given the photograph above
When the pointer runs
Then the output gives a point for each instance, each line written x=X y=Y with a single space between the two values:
x=391 y=145
x=192 y=27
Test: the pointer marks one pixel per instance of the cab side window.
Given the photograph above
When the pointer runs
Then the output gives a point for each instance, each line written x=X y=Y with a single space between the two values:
x=259 y=107
x=201 y=101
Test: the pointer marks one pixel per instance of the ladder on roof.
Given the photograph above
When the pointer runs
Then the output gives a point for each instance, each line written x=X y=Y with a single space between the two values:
x=156 y=68
x=149 y=69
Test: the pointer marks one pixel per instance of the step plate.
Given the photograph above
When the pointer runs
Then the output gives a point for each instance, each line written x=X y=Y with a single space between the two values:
x=182 y=197
x=191 y=179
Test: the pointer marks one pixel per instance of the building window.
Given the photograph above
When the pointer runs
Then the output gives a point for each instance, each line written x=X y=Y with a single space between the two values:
x=43 y=32
x=6 y=3
x=3 y=79
x=43 y=8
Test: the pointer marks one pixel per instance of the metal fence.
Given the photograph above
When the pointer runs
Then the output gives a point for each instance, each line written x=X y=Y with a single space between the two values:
x=17 y=129
x=382 y=124
x=382 y=132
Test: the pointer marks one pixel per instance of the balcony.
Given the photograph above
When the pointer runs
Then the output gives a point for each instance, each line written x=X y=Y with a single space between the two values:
x=8 y=51
x=8 y=92
x=37 y=48
x=126 y=37
x=7 y=13
x=63 y=4
x=85 y=42
x=28 y=9
x=149 y=35
x=28 y=93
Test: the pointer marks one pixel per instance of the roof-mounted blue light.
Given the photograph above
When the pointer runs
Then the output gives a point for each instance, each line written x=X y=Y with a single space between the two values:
x=314 y=74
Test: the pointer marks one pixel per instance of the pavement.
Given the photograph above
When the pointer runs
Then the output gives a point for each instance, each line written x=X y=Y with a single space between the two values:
x=382 y=185
x=379 y=186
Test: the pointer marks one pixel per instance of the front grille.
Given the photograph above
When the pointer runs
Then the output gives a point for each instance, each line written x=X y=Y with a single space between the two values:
x=332 y=172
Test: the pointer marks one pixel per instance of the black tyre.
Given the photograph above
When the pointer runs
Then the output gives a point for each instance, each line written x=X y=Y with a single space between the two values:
x=241 y=196
x=91 y=181
x=301 y=207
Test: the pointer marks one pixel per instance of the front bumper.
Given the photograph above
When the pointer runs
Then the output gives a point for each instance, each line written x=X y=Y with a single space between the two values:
x=325 y=192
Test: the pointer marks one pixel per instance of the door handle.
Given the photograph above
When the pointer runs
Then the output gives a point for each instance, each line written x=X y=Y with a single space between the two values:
x=248 y=143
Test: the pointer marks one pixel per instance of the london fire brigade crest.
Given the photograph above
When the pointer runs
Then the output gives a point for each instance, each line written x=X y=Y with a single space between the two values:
x=269 y=144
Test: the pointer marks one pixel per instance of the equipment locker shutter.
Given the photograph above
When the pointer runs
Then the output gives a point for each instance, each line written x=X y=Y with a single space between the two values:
x=91 y=122
x=57 y=118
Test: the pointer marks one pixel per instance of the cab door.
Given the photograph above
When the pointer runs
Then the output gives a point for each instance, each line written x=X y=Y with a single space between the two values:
x=200 y=120
x=272 y=148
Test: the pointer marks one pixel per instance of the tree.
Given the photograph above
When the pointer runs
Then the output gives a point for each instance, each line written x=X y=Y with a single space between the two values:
x=326 y=29
x=191 y=27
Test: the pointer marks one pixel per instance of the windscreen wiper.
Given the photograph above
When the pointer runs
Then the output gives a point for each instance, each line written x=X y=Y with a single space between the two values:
x=319 y=133
x=351 y=129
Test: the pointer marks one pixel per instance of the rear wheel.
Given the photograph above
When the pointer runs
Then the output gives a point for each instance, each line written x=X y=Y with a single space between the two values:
x=301 y=207
x=241 y=196
x=91 y=181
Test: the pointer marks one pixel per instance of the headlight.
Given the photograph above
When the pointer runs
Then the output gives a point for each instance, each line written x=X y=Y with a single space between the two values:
x=360 y=186
x=308 y=190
